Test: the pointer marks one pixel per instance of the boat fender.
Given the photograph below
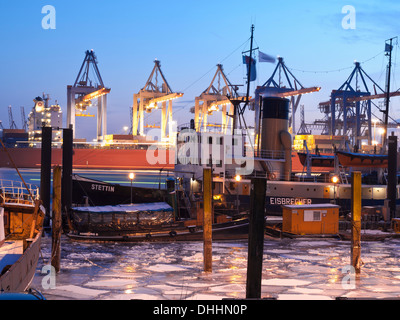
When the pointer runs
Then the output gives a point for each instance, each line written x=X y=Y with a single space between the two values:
x=172 y=233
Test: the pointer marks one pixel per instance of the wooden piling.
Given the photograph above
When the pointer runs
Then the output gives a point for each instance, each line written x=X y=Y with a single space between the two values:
x=56 y=220
x=256 y=239
x=207 y=219
x=356 y=221
x=67 y=163
x=392 y=175
x=45 y=173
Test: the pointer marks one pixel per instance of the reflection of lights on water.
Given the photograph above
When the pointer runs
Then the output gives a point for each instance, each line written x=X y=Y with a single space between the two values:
x=334 y=279
x=235 y=278
x=334 y=276
x=129 y=269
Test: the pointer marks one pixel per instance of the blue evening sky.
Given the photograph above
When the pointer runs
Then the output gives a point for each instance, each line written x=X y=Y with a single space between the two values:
x=189 y=38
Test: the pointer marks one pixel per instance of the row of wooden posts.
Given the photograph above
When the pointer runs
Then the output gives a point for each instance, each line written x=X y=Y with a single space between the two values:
x=62 y=188
x=256 y=230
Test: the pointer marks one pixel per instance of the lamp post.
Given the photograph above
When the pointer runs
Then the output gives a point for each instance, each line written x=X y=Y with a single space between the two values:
x=238 y=178
x=335 y=180
x=382 y=132
x=131 y=177
x=374 y=121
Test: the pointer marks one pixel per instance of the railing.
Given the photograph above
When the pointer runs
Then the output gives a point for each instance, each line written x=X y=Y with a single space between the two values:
x=16 y=192
x=265 y=154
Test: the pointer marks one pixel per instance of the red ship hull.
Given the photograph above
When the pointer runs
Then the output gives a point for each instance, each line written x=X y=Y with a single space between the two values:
x=113 y=159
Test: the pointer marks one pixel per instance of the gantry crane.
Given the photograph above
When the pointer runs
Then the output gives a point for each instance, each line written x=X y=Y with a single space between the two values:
x=348 y=112
x=148 y=98
x=84 y=90
x=291 y=88
x=24 y=119
x=214 y=98
x=283 y=86
x=11 y=118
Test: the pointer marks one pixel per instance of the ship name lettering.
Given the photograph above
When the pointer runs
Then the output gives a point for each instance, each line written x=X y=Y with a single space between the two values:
x=289 y=201
x=99 y=187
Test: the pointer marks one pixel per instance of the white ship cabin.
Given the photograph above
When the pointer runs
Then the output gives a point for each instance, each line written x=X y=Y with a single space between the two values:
x=231 y=158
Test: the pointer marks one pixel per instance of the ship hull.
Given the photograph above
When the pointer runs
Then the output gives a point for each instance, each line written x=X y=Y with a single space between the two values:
x=278 y=193
x=108 y=159
x=232 y=230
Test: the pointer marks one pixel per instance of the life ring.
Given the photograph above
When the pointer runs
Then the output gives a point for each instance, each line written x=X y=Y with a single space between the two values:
x=272 y=176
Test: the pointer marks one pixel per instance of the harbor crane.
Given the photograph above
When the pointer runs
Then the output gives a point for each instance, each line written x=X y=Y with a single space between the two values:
x=214 y=98
x=348 y=112
x=86 y=89
x=11 y=119
x=24 y=119
x=283 y=84
x=148 y=100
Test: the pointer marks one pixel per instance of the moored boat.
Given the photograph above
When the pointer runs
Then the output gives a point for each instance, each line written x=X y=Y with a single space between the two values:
x=21 y=223
x=317 y=160
x=86 y=191
x=351 y=159
x=146 y=222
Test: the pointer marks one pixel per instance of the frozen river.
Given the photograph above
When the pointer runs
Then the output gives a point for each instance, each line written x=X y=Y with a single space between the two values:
x=292 y=269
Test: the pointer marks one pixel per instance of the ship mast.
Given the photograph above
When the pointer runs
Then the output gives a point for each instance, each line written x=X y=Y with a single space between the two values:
x=388 y=50
x=239 y=110
x=249 y=67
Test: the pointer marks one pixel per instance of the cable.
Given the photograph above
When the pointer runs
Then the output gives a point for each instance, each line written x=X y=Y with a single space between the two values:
x=336 y=70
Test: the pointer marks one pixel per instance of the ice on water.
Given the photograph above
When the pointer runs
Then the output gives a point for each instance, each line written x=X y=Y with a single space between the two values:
x=292 y=269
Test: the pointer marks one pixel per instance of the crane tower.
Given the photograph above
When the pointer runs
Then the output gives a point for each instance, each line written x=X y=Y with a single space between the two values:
x=148 y=98
x=86 y=89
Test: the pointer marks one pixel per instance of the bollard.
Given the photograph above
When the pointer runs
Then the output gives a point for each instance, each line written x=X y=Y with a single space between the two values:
x=356 y=221
x=56 y=220
x=207 y=219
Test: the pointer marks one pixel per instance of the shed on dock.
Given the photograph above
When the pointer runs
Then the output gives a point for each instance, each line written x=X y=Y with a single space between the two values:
x=311 y=219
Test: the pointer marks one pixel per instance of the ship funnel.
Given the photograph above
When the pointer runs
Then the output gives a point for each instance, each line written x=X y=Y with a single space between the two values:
x=276 y=141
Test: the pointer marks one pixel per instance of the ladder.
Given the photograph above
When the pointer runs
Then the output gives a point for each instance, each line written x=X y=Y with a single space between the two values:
x=342 y=175
x=187 y=203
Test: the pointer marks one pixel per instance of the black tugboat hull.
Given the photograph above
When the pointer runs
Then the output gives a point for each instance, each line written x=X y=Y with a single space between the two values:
x=233 y=230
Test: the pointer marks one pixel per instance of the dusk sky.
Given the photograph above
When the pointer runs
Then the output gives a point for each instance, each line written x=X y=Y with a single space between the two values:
x=189 y=38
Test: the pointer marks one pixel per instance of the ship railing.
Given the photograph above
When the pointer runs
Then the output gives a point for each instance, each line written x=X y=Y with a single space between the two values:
x=264 y=154
x=15 y=192
x=214 y=128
